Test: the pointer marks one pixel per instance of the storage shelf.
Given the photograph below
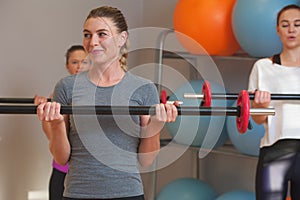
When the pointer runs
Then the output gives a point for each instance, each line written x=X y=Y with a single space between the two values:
x=226 y=149
x=186 y=55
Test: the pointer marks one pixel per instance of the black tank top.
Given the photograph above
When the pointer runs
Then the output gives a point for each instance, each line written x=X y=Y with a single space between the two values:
x=276 y=59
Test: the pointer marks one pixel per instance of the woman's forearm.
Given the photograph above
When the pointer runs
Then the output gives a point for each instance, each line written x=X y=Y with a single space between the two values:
x=148 y=149
x=59 y=144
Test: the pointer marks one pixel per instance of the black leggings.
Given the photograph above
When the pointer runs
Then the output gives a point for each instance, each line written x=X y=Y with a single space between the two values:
x=277 y=165
x=56 y=185
x=141 y=197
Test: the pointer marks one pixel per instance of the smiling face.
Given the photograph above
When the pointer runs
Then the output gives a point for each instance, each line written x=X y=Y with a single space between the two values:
x=102 y=40
x=77 y=62
x=288 y=28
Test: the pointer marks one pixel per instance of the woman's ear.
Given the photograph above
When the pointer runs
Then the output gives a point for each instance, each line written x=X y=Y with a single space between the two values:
x=122 y=38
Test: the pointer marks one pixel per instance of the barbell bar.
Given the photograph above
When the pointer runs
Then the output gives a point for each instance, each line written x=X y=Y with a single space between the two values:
x=233 y=96
x=207 y=95
x=135 y=110
x=242 y=111
x=12 y=100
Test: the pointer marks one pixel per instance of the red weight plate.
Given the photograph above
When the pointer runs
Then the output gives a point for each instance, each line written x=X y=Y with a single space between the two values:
x=243 y=102
x=206 y=91
x=163 y=97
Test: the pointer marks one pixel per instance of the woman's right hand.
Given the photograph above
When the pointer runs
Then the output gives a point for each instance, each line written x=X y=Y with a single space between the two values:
x=262 y=99
x=50 y=112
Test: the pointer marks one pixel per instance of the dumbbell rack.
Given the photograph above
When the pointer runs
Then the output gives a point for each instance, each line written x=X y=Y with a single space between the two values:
x=162 y=54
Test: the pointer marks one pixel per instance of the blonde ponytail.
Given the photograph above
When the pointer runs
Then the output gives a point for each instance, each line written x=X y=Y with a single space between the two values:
x=124 y=55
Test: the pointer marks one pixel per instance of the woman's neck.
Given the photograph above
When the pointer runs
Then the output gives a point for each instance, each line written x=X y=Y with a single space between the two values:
x=106 y=76
x=290 y=58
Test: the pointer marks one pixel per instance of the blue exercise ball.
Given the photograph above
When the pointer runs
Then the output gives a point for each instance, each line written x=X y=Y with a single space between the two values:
x=199 y=131
x=249 y=142
x=237 y=195
x=254 y=25
x=187 y=189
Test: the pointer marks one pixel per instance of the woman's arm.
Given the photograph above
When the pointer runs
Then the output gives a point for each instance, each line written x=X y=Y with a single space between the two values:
x=262 y=99
x=45 y=125
x=150 y=132
x=56 y=126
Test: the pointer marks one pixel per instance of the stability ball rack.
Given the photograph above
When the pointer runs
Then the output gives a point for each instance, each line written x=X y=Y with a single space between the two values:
x=161 y=53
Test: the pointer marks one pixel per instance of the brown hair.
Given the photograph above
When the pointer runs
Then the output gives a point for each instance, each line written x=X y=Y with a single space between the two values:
x=120 y=22
x=71 y=50
x=288 y=7
x=276 y=58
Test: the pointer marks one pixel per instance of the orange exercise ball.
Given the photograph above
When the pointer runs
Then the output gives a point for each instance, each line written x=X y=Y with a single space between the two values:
x=204 y=26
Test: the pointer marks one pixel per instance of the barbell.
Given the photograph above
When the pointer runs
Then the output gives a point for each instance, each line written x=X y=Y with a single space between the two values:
x=18 y=100
x=14 y=100
x=207 y=95
x=242 y=111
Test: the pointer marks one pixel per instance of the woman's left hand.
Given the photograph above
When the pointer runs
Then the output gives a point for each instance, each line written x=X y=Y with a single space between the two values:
x=166 y=112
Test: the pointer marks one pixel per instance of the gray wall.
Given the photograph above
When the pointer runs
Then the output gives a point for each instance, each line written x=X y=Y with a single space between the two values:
x=34 y=37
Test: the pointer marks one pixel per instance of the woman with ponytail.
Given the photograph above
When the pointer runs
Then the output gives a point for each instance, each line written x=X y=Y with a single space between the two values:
x=105 y=151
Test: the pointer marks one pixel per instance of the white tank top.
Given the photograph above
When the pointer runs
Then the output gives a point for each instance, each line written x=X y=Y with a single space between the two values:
x=277 y=78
